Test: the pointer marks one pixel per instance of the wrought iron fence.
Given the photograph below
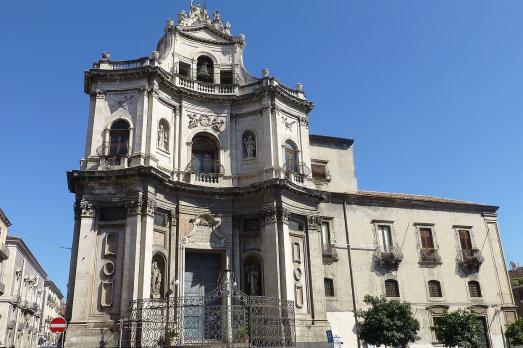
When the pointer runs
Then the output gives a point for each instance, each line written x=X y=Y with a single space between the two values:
x=226 y=316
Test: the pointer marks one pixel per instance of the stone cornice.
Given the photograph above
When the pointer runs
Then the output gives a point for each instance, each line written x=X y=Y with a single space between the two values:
x=92 y=76
x=4 y=218
x=76 y=177
x=19 y=244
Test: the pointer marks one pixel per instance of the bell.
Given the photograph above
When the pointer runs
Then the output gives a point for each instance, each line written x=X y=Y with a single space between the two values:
x=203 y=72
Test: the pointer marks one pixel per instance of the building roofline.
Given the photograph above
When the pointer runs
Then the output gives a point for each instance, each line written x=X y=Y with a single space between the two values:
x=412 y=200
x=4 y=218
x=52 y=286
x=325 y=139
x=20 y=244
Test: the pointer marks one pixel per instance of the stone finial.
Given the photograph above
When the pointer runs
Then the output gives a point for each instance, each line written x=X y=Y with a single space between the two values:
x=106 y=55
x=299 y=87
x=265 y=72
x=155 y=55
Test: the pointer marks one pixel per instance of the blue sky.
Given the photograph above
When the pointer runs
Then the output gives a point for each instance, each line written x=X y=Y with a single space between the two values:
x=431 y=91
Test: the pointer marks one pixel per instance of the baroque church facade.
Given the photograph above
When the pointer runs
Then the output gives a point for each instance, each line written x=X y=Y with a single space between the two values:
x=199 y=176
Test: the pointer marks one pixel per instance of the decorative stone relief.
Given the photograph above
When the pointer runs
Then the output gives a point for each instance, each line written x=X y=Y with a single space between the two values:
x=204 y=228
x=140 y=205
x=203 y=120
x=163 y=137
x=313 y=222
x=84 y=208
x=288 y=123
x=298 y=271
x=124 y=101
x=198 y=15
x=110 y=246
x=99 y=94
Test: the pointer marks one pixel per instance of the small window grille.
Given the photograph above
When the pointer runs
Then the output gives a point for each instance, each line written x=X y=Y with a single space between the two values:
x=329 y=287
x=474 y=289
x=319 y=171
x=434 y=288
x=392 y=288
x=184 y=69
x=226 y=77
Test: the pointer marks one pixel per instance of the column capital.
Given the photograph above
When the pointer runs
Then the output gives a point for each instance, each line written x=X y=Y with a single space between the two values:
x=314 y=222
x=140 y=205
x=84 y=208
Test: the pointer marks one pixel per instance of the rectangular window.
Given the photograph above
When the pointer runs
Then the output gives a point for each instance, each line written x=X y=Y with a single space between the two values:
x=325 y=235
x=160 y=219
x=385 y=238
x=112 y=213
x=329 y=287
x=184 y=69
x=426 y=238
x=226 y=77
x=319 y=171
x=464 y=239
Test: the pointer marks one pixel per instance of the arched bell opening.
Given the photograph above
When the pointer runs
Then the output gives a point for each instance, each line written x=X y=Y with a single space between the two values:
x=205 y=69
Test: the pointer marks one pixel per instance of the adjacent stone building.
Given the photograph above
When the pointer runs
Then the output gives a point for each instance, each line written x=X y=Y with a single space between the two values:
x=207 y=213
x=4 y=253
x=51 y=308
x=516 y=278
x=20 y=305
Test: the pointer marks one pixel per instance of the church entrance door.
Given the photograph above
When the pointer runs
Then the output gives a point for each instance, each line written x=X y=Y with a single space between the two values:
x=202 y=271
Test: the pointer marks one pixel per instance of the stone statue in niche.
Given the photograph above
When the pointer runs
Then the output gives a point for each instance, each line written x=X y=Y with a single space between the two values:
x=249 y=146
x=156 y=281
x=252 y=280
x=163 y=137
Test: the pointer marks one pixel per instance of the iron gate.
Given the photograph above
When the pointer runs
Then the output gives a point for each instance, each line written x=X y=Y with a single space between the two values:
x=226 y=317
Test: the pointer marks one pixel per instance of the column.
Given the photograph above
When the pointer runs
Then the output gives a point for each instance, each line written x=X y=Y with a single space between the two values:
x=131 y=247
x=146 y=249
x=270 y=253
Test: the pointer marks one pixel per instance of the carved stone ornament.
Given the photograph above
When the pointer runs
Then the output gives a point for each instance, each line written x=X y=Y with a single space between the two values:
x=84 y=208
x=288 y=123
x=198 y=15
x=99 y=93
x=272 y=215
x=156 y=280
x=313 y=222
x=205 y=223
x=213 y=122
x=140 y=205
x=125 y=101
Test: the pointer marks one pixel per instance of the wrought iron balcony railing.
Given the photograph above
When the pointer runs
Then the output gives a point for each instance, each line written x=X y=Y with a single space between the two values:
x=429 y=256
x=470 y=259
x=392 y=256
x=114 y=154
x=296 y=172
x=330 y=252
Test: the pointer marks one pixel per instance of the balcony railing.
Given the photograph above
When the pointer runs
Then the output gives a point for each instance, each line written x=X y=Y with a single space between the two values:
x=470 y=259
x=330 y=252
x=205 y=171
x=391 y=257
x=296 y=172
x=113 y=154
x=205 y=87
x=429 y=256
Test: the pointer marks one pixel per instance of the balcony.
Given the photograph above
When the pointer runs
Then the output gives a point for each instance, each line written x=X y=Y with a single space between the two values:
x=389 y=258
x=429 y=257
x=470 y=259
x=296 y=173
x=205 y=87
x=330 y=253
x=204 y=171
x=4 y=253
x=114 y=155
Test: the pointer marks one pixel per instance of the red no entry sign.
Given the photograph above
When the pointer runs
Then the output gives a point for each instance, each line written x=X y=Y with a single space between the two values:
x=58 y=324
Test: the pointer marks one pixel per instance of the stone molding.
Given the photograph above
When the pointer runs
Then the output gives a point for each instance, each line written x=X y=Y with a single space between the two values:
x=272 y=215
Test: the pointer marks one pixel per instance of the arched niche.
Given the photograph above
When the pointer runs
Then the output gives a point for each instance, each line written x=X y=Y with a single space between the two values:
x=252 y=275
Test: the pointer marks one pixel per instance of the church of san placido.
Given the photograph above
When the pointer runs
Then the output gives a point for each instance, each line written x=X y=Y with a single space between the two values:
x=207 y=215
